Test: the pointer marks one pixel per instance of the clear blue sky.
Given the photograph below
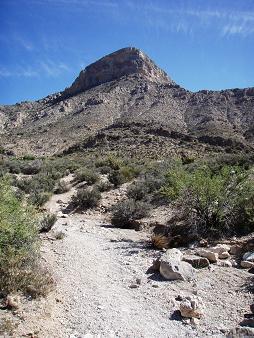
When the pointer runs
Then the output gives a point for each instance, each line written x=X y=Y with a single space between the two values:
x=201 y=44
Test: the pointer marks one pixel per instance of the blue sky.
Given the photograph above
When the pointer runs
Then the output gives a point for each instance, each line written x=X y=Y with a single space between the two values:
x=201 y=44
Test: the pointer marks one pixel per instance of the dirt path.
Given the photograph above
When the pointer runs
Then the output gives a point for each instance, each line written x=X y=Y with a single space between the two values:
x=95 y=267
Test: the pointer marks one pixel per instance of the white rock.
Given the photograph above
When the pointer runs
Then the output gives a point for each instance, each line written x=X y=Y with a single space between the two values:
x=224 y=255
x=247 y=264
x=173 y=268
x=12 y=302
x=248 y=256
x=211 y=256
x=221 y=249
x=226 y=264
x=172 y=254
x=191 y=307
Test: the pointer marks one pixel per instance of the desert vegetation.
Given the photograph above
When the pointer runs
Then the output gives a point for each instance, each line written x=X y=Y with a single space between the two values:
x=206 y=199
x=19 y=246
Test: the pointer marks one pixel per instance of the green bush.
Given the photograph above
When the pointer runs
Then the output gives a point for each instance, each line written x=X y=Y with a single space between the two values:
x=31 y=168
x=89 y=176
x=129 y=172
x=103 y=186
x=28 y=157
x=126 y=212
x=86 y=198
x=47 y=222
x=18 y=245
x=111 y=162
x=213 y=204
x=138 y=190
x=38 y=198
x=116 y=178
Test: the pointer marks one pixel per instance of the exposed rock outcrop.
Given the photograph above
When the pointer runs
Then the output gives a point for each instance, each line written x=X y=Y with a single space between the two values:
x=123 y=62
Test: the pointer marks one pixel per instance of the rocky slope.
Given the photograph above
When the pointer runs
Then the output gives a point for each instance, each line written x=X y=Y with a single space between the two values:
x=127 y=88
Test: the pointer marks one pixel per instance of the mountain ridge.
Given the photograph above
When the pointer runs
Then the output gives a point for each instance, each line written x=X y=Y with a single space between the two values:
x=127 y=86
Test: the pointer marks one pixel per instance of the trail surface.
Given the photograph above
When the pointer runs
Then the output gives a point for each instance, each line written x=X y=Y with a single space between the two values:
x=103 y=290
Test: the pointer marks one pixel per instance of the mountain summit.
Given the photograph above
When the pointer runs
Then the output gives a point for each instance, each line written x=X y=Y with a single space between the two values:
x=125 y=102
x=123 y=62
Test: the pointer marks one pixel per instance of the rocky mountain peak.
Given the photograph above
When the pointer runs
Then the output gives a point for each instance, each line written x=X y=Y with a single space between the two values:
x=123 y=62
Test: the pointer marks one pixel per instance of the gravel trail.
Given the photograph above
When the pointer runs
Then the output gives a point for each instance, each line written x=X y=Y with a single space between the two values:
x=103 y=289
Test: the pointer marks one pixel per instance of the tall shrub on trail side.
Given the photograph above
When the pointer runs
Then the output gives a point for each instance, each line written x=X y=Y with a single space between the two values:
x=18 y=243
x=212 y=205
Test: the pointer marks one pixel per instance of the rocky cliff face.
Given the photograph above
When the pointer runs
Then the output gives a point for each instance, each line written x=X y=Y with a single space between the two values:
x=127 y=88
x=123 y=62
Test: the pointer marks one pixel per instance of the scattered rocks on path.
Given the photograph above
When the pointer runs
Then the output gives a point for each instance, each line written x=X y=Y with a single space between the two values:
x=248 y=256
x=173 y=268
x=211 y=256
x=191 y=307
x=247 y=264
x=197 y=262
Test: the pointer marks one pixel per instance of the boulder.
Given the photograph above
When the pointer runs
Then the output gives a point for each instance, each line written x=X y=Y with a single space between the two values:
x=235 y=249
x=173 y=268
x=191 y=307
x=211 y=256
x=224 y=255
x=172 y=254
x=247 y=264
x=248 y=256
x=196 y=261
x=221 y=249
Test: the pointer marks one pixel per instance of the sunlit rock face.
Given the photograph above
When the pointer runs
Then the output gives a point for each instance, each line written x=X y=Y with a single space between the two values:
x=123 y=62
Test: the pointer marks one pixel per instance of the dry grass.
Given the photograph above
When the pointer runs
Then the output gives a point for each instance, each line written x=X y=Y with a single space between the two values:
x=160 y=241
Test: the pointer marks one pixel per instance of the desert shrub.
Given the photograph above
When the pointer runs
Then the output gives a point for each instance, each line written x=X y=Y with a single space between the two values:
x=38 y=183
x=38 y=198
x=47 y=222
x=19 y=252
x=213 y=205
x=31 y=168
x=126 y=212
x=28 y=157
x=116 y=178
x=111 y=162
x=13 y=166
x=61 y=187
x=86 y=198
x=103 y=186
x=89 y=176
x=154 y=182
x=242 y=160
x=176 y=180
x=129 y=172
x=39 y=188
x=105 y=170
x=138 y=190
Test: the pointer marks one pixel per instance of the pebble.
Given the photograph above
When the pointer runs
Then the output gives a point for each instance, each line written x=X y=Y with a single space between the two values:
x=133 y=286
